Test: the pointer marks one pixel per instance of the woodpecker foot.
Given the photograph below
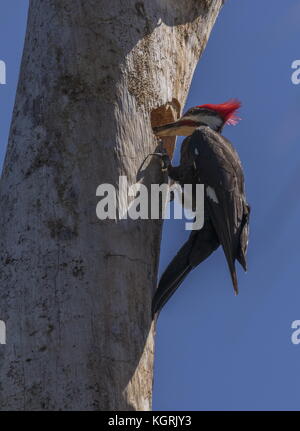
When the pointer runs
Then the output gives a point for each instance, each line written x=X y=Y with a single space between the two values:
x=166 y=162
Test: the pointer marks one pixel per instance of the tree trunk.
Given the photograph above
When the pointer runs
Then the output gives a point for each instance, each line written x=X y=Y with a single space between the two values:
x=76 y=291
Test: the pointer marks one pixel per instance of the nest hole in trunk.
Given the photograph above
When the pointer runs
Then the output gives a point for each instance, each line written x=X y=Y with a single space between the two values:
x=164 y=114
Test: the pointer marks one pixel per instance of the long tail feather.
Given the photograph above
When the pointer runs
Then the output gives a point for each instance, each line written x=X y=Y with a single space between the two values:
x=168 y=284
x=173 y=276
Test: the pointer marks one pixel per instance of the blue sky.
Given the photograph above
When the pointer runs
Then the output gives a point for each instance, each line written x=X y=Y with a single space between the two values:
x=215 y=351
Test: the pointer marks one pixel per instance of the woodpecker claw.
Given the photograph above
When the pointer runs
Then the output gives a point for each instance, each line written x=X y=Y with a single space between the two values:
x=165 y=159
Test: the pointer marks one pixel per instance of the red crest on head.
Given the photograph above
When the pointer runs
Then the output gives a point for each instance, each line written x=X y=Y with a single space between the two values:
x=226 y=110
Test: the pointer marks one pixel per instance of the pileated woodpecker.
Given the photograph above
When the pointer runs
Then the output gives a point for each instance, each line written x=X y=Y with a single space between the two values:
x=208 y=158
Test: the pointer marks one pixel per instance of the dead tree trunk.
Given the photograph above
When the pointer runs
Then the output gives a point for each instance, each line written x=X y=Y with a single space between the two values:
x=76 y=291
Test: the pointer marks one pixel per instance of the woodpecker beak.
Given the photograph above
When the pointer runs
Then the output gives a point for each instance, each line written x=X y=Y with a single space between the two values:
x=181 y=127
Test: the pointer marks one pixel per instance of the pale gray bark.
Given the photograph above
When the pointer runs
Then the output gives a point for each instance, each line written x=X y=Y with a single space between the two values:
x=75 y=291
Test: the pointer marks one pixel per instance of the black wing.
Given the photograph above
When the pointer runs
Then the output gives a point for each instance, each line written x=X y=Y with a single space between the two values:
x=218 y=167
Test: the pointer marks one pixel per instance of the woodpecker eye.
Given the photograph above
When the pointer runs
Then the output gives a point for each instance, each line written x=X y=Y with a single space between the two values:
x=193 y=111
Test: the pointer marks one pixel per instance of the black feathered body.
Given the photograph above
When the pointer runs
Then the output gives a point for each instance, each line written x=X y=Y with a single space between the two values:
x=208 y=158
